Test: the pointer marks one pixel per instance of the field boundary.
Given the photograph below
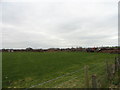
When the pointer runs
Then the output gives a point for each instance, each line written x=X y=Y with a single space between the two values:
x=67 y=74
x=55 y=78
x=111 y=70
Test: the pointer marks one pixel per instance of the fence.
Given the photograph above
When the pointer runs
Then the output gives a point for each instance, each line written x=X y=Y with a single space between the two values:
x=112 y=76
x=109 y=79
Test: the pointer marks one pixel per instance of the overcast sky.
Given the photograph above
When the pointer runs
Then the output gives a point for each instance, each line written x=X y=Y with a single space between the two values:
x=59 y=23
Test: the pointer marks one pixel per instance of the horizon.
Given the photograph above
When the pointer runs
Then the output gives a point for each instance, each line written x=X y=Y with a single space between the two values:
x=62 y=47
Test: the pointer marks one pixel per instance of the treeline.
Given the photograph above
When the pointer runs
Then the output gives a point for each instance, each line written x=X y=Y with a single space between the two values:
x=90 y=49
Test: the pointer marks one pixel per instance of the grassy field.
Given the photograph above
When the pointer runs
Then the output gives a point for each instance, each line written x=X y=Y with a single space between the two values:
x=25 y=69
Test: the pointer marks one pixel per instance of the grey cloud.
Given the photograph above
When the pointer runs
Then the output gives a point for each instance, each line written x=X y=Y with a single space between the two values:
x=59 y=24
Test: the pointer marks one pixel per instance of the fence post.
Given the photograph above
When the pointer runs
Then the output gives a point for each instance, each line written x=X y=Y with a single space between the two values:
x=94 y=81
x=86 y=77
x=107 y=70
x=116 y=65
x=113 y=69
x=118 y=70
x=99 y=84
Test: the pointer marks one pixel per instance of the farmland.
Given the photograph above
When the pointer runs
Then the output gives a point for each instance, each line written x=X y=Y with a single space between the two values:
x=25 y=69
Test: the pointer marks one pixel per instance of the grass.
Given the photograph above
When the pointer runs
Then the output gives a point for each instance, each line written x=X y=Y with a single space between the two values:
x=24 y=69
x=0 y=70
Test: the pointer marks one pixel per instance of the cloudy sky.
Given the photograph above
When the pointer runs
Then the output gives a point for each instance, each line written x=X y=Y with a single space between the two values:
x=58 y=23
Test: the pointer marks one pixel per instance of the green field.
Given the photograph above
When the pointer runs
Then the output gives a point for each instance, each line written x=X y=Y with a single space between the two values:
x=24 y=69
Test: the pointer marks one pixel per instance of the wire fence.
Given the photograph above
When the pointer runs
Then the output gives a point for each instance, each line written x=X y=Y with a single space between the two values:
x=56 y=78
x=110 y=71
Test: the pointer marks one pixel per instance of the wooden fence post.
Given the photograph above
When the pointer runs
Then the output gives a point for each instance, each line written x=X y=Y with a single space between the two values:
x=116 y=65
x=99 y=84
x=118 y=70
x=86 y=77
x=112 y=71
x=94 y=81
x=107 y=70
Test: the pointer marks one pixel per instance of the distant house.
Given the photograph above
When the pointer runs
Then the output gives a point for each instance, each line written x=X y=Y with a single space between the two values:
x=29 y=49
x=10 y=50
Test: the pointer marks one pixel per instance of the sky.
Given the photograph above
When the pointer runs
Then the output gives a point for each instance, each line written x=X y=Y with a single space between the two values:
x=58 y=23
